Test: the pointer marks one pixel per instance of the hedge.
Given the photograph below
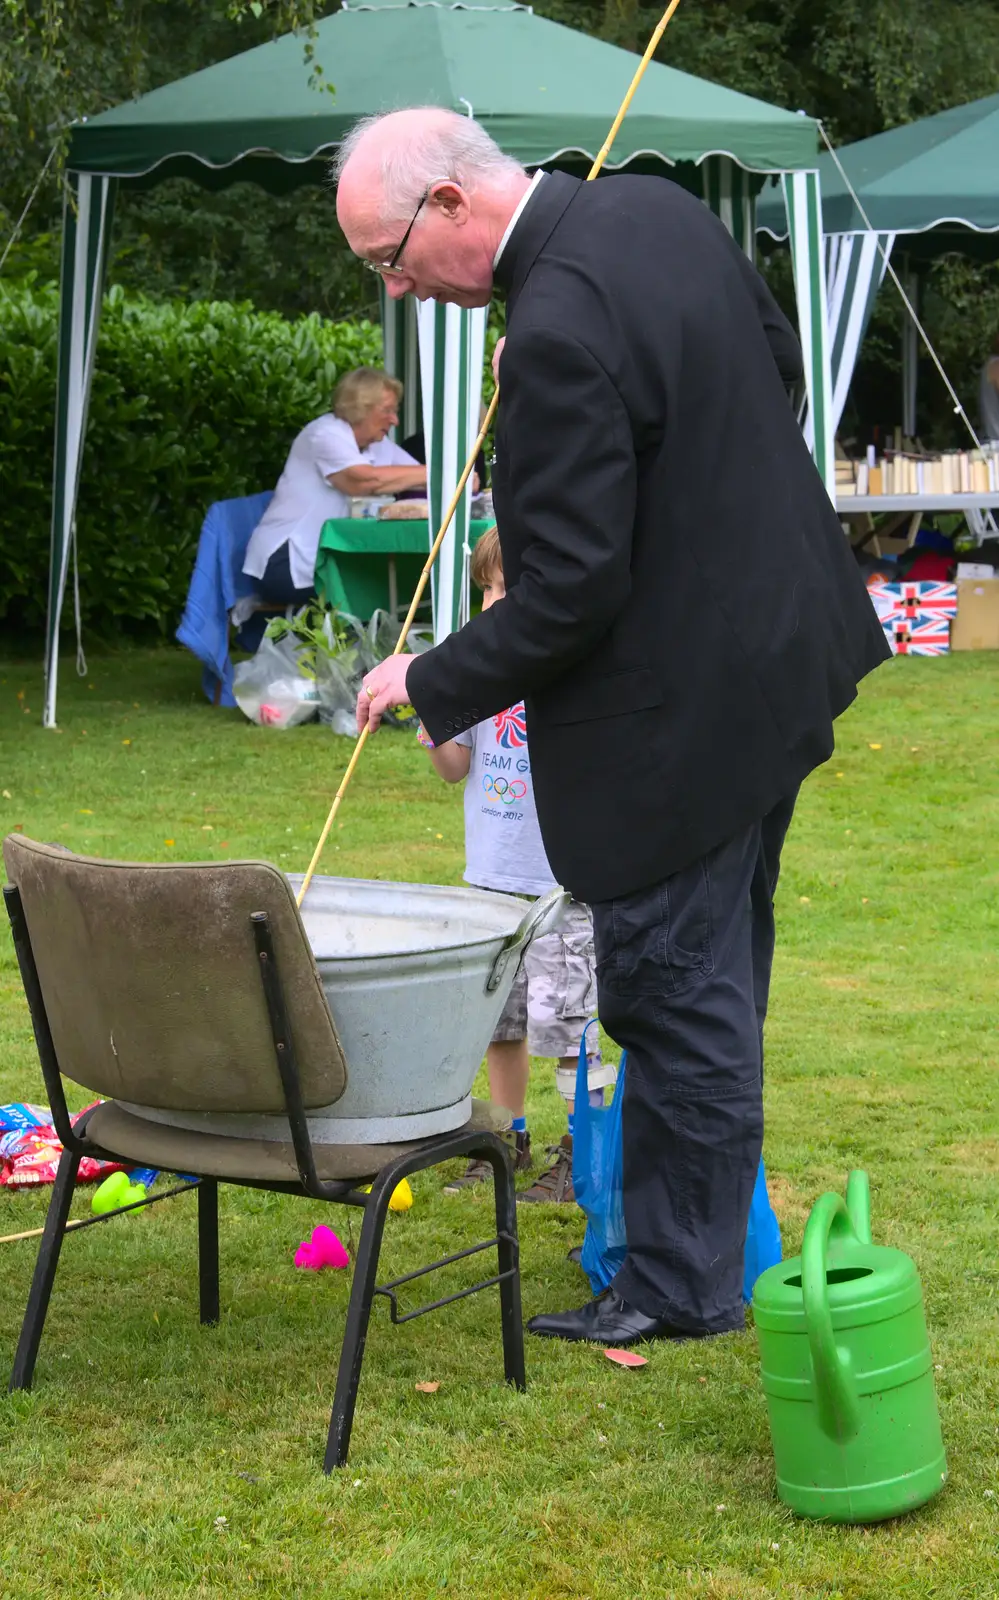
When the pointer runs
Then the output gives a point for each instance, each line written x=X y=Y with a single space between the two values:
x=191 y=403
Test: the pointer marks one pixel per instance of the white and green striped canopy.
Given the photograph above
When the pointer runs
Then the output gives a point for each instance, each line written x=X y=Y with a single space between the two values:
x=437 y=352
x=88 y=210
x=804 y=215
x=731 y=193
x=855 y=269
x=452 y=349
x=855 y=265
x=400 y=354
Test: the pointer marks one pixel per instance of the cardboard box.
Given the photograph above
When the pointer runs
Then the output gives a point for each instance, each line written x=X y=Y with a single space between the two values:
x=974 y=569
x=976 y=626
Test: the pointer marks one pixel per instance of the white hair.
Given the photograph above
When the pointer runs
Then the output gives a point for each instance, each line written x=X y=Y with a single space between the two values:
x=449 y=146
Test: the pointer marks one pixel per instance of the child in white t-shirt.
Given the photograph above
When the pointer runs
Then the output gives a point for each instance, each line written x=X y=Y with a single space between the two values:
x=554 y=996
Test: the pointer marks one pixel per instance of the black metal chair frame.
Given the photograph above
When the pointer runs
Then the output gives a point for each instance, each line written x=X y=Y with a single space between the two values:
x=375 y=1204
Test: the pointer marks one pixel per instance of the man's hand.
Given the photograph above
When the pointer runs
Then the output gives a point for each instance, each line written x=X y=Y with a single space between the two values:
x=383 y=687
x=496 y=356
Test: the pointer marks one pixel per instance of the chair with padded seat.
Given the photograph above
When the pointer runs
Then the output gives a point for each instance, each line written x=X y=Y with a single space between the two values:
x=219 y=587
x=173 y=989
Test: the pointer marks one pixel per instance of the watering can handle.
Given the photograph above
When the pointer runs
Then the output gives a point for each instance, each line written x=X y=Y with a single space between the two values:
x=543 y=917
x=836 y=1390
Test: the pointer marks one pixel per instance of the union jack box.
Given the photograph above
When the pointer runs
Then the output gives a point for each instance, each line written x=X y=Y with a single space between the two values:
x=916 y=617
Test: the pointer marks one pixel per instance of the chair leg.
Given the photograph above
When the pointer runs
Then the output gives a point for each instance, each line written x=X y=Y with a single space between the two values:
x=208 y=1250
x=362 y=1294
x=509 y=1261
x=45 y=1271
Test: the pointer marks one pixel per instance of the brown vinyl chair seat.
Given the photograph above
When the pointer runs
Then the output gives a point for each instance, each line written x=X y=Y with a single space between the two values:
x=141 y=1143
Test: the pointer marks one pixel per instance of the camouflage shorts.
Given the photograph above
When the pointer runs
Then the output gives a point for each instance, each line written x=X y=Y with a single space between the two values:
x=555 y=996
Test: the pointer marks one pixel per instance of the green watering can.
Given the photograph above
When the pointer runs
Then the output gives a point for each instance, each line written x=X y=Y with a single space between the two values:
x=847 y=1371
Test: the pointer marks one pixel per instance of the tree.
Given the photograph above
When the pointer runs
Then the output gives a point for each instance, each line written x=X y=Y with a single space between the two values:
x=63 y=59
x=860 y=67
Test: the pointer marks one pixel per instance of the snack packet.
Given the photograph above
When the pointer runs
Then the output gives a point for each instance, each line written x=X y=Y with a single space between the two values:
x=30 y=1149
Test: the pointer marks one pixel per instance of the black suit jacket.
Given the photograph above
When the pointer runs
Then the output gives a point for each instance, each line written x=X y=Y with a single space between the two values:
x=683 y=615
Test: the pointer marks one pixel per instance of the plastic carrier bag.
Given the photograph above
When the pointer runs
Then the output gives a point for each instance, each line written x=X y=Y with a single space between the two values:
x=383 y=635
x=338 y=678
x=381 y=638
x=597 y=1178
x=337 y=697
x=763 y=1247
x=271 y=688
x=597 y=1175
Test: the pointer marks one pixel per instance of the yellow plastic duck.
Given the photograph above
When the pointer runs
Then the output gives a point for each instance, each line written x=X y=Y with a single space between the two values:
x=402 y=1196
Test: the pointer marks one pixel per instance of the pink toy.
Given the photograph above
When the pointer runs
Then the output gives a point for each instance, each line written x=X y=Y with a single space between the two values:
x=322 y=1250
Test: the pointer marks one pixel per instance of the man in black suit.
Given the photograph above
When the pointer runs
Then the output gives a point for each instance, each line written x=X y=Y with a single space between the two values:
x=683 y=617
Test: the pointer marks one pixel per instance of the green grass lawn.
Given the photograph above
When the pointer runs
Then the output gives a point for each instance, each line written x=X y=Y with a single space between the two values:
x=143 y=1431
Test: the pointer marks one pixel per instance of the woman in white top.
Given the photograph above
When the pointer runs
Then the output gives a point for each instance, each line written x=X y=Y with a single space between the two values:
x=343 y=453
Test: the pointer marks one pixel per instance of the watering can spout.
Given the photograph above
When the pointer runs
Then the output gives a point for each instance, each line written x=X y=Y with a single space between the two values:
x=858 y=1204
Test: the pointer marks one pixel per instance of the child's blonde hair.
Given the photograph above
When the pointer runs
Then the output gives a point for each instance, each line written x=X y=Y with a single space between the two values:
x=487 y=558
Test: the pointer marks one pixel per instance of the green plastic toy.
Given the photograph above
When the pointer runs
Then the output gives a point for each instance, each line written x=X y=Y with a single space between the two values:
x=118 y=1190
x=847 y=1371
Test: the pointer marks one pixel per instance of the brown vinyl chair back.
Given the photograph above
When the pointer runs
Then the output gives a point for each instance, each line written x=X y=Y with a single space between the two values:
x=151 y=981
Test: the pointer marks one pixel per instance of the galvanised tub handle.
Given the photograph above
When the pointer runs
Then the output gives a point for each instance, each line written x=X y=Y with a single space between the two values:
x=543 y=917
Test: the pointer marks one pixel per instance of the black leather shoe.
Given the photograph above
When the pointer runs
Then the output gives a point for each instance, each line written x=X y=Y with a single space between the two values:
x=608 y=1320
x=575 y=1255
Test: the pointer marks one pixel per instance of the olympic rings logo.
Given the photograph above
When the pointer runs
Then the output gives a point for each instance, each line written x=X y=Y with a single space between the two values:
x=508 y=794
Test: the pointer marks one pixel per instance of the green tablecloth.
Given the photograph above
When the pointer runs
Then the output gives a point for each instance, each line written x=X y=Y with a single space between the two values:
x=352 y=565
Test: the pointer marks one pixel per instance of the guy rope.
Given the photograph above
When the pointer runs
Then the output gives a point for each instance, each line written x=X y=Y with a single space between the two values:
x=602 y=155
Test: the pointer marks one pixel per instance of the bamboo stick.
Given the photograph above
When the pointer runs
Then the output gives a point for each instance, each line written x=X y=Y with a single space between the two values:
x=650 y=51
x=35 y=1233
x=601 y=157
x=403 y=636
x=119 y=1211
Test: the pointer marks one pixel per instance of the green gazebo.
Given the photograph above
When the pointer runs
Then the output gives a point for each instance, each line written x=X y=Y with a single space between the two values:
x=926 y=188
x=547 y=94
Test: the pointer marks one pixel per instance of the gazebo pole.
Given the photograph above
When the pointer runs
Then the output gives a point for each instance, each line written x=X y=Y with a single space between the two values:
x=910 y=352
x=87 y=216
x=452 y=350
x=803 y=201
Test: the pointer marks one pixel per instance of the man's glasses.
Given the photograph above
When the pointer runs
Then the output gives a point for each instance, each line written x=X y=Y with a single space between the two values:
x=393 y=264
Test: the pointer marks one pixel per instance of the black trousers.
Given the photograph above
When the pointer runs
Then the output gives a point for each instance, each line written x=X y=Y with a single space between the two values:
x=683 y=974
x=277 y=587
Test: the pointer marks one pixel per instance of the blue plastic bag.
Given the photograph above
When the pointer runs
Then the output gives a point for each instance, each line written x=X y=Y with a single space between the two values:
x=597 y=1178
x=763 y=1248
x=597 y=1175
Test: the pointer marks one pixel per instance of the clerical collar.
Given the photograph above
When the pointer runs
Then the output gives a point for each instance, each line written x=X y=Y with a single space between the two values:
x=538 y=178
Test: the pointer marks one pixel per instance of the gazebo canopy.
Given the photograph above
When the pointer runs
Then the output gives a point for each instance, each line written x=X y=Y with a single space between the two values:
x=937 y=178
x=928 y=188
x=545 y=92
